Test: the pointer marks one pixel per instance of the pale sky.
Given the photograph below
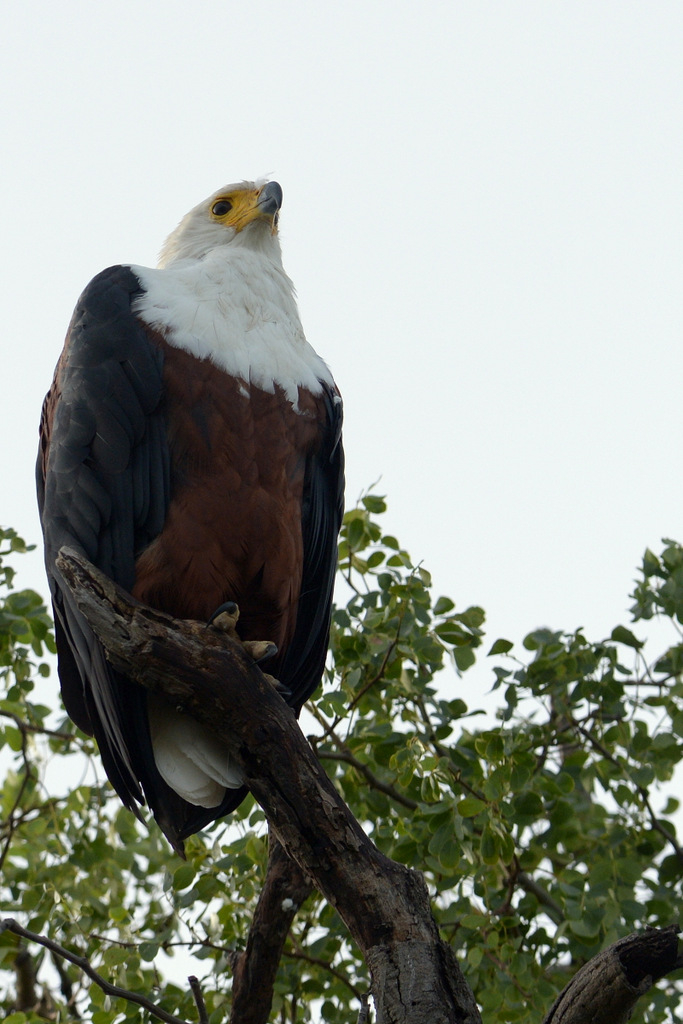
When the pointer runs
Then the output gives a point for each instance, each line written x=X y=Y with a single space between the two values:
x=483 y=219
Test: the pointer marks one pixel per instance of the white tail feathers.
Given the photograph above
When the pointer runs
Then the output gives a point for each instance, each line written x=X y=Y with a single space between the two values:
x=190 y=760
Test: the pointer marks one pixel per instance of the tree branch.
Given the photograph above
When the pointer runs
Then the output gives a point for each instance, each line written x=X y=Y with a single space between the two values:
x=345 y=755
x=11 y=819
x=415 y=976
x=10 y=925
x=284 y=890
x=199 y=999
x=530 y=885
x=27 y=995
x=607 y=988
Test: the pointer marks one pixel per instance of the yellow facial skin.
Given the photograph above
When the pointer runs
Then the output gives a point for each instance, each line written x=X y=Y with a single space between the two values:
x=240 y=207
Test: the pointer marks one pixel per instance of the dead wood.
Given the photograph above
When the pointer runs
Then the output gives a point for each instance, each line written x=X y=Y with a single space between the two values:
x=606 y=989
x=415 y=976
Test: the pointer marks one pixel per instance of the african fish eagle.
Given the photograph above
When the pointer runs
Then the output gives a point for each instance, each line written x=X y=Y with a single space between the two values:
x=190 y=447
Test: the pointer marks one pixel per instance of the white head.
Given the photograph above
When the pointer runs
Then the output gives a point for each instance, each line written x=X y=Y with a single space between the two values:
x=243 y=214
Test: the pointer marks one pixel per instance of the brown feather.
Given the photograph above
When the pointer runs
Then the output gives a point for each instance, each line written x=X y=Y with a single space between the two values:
x=233 y=527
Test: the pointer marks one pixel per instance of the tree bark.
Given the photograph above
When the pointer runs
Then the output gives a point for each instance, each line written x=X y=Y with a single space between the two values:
x=415 y=976
x=27 y=995
x=605 y=990
x=284 y=890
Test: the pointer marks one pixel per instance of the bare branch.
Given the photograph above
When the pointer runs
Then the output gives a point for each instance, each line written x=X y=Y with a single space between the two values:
x=84 y=965
x=25 y=970
x=199 y=999
x=284 y=890
x=345 y=755
x=38 y=730
x=364 y=1009
x=66 y=987
x=530 y=885
x=384 y=904
x=607 y=988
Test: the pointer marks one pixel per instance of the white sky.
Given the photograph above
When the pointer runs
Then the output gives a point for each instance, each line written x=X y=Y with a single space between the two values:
x=482 y=216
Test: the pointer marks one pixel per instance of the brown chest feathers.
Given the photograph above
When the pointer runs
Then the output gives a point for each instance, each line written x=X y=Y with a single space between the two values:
x=233 y=527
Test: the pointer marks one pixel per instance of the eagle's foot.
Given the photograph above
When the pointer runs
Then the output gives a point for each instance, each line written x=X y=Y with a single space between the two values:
x=260 y=650
x=225 y=618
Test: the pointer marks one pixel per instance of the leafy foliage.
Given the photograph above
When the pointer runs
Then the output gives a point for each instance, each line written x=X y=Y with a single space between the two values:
x=544 y=834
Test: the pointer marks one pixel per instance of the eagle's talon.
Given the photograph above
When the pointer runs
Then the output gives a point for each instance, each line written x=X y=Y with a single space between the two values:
x=284 y=691
x=225 y=616
x=260 y=650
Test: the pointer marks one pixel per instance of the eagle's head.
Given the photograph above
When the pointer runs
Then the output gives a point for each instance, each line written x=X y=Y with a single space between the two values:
x=244 y=214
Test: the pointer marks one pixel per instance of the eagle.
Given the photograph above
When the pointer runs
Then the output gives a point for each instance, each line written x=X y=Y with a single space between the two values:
x=190 y=448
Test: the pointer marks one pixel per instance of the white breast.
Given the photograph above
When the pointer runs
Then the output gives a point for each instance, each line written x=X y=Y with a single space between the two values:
x=236 y=307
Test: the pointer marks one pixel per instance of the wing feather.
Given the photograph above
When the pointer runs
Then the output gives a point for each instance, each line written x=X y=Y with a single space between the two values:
x=103 y=489
x=322 y=511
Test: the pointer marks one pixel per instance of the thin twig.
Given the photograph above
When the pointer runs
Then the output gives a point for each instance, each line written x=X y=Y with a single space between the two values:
x=505 y=970
x=642 y=792
x=530 y=885
x=382 y=787
x=443 y=752
x=94 y=936
x=318 y=962
x=199 y=999
x=11 y=823
x=345 y=755
x=370 y=682
x=84 y=965
x=385 y=661
x=38 y=730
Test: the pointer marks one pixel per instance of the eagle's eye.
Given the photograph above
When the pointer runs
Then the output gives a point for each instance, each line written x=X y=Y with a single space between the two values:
x=222 y=207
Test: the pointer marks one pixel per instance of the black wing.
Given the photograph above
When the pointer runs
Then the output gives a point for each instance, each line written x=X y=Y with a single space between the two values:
x=322 y=511
x=103 y=489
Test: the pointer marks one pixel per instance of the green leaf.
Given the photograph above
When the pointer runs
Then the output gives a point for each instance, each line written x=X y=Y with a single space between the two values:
x=114 y=956
x=528 y=805
x=475 y=955
x=470 y=806
x=490 y=846
x=374 y=503
x=183 y=876
x=622 y=635
x=501 y=647
x=464 y=658
x=585 y=927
